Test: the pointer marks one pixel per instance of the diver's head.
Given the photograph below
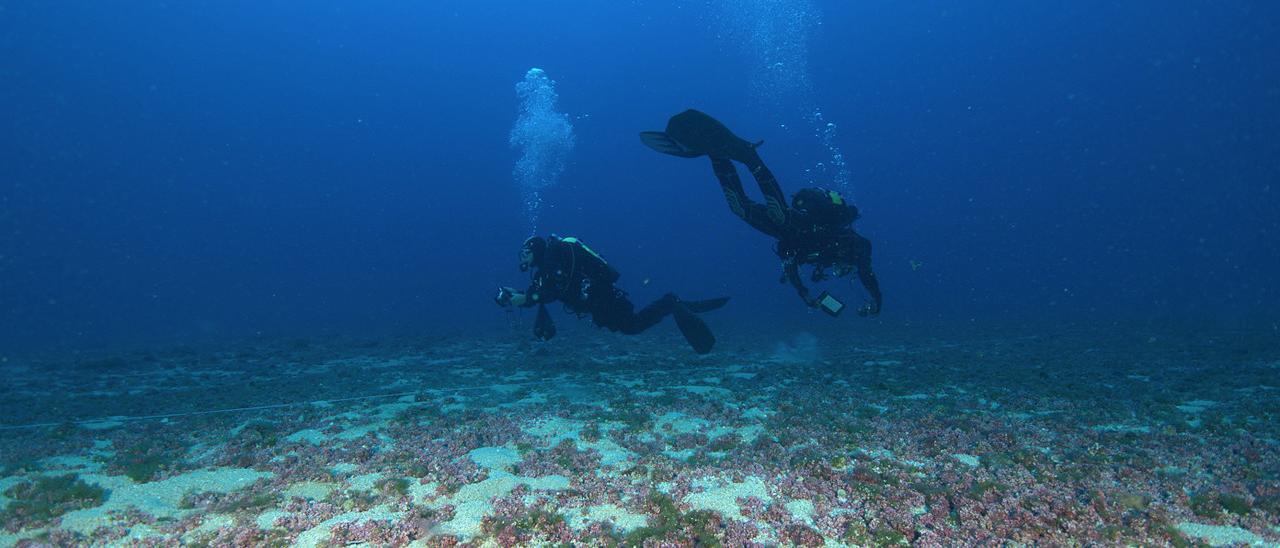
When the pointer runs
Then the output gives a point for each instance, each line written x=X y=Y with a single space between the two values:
x=531 y=252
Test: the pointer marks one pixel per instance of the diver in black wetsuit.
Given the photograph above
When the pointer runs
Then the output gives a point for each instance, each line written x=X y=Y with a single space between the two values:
x=568 y=271
x=816 y=230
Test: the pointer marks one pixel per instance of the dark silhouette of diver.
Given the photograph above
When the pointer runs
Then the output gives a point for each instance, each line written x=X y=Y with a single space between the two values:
x=568 y=271
x=816 y=230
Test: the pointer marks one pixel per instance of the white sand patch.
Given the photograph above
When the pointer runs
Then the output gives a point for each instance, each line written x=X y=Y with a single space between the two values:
x=1217 y=535
x=534 y=398
x=1115 y=427
x=720 y=431
x=966 y=459
x=309 y=435
x=158 y=498
x=466 y=519
x=681 y=455
x=5 y=484
x=1196 y=406
x=442 y=361
x=679 y=423
x=629 y=383
x=743 y=375
x=505 y=388
x=12 y=539
x=756 y=413
x=388 y=411
x=555 y=430
x=622 y=520
x=916 y=396
x=721 y=496
x=319 y=535
x=648 y=393
x=518 y=376
x=706 y=390
x=210 y=523
x=69 y=463
x=343 y=468
x=104 y=424
x=357 y=432
x=472 y=502
x=611 y=454
x=802 y=509
x=267 y=520
x=751 y=432
x=494 y=458
x=365 y=482
x=879 y=453
x=422 y=492
x=711 y=380
x=311 y=490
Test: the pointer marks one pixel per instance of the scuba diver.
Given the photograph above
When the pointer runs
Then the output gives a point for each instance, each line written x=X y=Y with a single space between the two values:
x=568 y=271
x=816 y=229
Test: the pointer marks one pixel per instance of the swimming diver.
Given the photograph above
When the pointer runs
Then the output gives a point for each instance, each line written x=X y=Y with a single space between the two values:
x=568 y=271
x=816 y=229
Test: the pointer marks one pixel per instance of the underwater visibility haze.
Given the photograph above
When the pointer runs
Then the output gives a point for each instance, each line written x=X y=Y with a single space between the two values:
x=461 y=273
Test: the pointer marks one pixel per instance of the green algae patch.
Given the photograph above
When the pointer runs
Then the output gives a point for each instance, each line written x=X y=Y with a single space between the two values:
x=48 y=497
x=700 y=526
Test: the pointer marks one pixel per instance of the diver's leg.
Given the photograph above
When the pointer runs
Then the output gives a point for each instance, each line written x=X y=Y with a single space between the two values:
x=756 y=215
x=632 y=323
x=731 y=185
x=614 y=311
x=775 y=201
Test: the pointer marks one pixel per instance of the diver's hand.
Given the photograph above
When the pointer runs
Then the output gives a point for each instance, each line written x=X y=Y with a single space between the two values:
x=504 y=296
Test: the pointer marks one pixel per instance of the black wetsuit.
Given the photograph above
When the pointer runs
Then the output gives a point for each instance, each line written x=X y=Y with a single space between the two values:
x=573 y=274
x=800 y=241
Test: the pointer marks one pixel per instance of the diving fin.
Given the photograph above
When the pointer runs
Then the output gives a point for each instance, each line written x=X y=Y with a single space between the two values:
x=663 y=143
x=694 y=330
x=698 y=307
x=543 y=327
x=698 y=132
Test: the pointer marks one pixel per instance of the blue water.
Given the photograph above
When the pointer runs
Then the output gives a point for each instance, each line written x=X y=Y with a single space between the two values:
x=206 y=170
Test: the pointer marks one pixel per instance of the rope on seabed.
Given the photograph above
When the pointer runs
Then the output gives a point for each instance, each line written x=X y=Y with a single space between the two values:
x=313 y=402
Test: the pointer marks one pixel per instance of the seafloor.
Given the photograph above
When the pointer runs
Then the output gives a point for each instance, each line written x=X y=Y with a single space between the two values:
x=1076 y=437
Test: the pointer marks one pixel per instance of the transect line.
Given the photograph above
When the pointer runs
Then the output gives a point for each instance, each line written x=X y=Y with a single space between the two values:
x=136 y=418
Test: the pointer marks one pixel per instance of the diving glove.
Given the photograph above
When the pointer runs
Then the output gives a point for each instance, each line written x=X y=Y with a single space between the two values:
x=503 y=298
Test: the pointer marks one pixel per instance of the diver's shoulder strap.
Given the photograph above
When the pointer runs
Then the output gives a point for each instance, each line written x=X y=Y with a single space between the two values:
x=600 y=268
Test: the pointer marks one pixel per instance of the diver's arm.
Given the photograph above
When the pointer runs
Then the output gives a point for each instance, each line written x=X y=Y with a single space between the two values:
x=539 y=292
x=791 y=269
x=508 y=296
x=868 y=278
